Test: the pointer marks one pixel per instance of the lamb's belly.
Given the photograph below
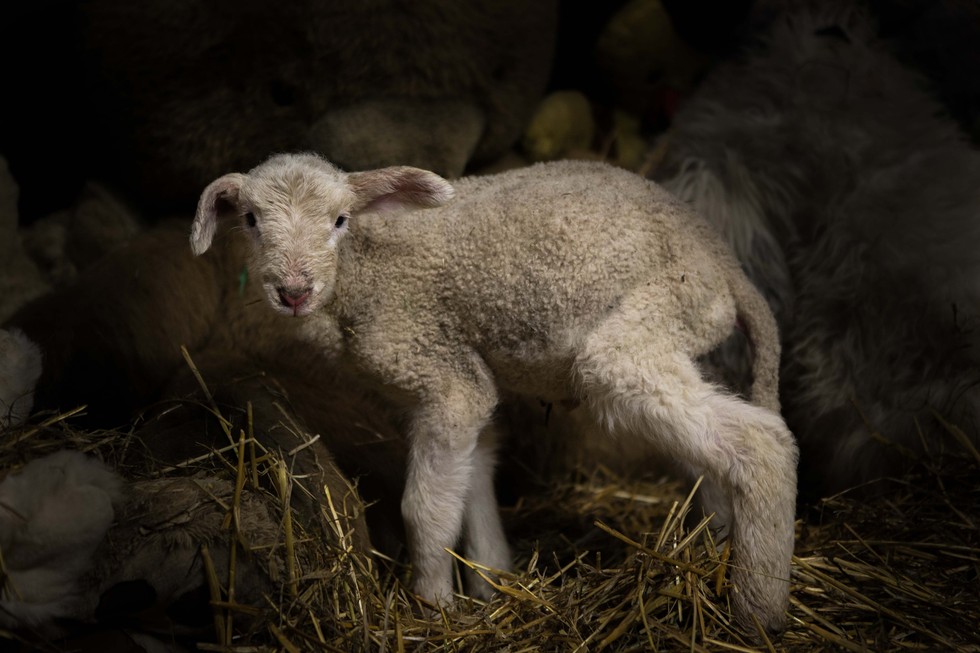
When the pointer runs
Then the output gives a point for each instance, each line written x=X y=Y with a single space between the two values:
x=545 y=376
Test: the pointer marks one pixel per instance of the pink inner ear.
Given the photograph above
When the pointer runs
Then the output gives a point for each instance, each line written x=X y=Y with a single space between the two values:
x=399 y=187
x=218 y=198
x=385 y=203
x=224 y=206
x=428 y=189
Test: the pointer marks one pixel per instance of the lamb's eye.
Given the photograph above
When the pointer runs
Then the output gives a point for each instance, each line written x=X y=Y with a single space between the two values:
x=250 y=219
x=341 y=221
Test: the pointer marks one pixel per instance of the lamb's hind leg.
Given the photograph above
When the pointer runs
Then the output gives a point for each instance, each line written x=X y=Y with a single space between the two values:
x=650 y=390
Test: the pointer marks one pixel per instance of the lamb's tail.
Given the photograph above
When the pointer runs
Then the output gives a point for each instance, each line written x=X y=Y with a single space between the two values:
x=756 y=318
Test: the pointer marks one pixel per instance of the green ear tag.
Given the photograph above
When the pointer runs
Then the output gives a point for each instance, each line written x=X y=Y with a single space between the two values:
x=242 y=280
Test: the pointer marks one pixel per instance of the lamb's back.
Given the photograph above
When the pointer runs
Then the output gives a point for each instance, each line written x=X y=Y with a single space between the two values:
x=525 y=255
x=570 y=234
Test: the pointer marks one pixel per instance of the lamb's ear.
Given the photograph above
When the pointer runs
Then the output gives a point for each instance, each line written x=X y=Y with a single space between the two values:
x=219 y=198
x=398 y=187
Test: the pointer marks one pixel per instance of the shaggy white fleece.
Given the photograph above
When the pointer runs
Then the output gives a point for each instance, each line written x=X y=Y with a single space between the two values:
x=853 y=203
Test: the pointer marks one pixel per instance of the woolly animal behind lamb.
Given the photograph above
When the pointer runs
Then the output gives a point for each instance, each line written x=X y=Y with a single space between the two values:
x=561 y=281
x=854 y=205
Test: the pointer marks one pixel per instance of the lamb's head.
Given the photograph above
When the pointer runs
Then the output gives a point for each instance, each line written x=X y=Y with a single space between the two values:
x=296 y=208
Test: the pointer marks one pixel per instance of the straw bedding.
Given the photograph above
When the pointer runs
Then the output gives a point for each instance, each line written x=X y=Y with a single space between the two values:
x=604 y=563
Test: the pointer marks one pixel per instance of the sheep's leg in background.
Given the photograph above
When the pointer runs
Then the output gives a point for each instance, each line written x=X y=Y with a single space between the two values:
x=636 y=383
x=485 y=541
x=57 y=509
x=444 y=432
x=20 y=362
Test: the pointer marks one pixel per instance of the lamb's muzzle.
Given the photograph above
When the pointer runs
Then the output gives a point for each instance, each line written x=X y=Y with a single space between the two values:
x=294 y=298
x=512 y=288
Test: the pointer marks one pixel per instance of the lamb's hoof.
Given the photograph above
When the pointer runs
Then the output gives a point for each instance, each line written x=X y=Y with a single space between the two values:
x=432 y=605
x=20 y=370
x=480 y=589
x=482 y=585
x=752 y=616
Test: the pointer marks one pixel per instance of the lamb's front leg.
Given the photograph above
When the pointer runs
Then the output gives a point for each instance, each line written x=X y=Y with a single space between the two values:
x=444 y=435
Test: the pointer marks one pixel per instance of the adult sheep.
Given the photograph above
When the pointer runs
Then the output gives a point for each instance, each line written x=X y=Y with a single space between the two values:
x=851 y=199
x=564 y=281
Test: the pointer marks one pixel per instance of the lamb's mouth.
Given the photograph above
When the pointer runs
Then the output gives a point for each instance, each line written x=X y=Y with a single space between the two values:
x=291 y=300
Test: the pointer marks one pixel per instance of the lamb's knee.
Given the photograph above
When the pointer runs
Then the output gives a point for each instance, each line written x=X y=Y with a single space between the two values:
x=749 y=453
x=758 y=462
x=764 y=445
x=434 y=499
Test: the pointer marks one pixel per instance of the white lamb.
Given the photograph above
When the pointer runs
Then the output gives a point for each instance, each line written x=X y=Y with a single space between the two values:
x=563 y=281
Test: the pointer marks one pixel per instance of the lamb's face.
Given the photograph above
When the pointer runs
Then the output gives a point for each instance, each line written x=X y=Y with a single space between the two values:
x=296 y=208
x=296 y=222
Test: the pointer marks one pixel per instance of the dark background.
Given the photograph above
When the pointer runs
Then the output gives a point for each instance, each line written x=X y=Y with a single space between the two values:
x=55 y=136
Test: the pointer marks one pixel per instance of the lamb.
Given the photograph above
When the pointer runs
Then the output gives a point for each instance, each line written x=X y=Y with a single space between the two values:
x=568 y=280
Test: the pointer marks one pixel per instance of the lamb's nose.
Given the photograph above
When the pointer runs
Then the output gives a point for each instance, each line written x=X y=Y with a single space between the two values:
x=293 y=297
